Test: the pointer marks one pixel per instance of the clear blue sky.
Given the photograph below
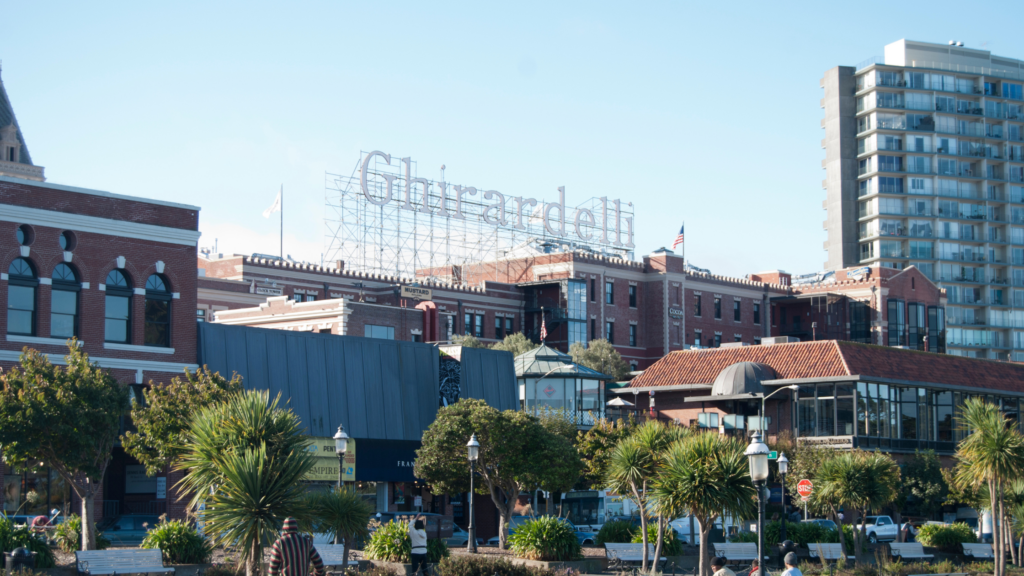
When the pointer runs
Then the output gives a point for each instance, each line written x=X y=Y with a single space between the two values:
x=706 y=115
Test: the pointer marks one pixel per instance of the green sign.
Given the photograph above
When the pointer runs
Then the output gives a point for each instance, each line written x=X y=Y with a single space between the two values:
x=773 y=455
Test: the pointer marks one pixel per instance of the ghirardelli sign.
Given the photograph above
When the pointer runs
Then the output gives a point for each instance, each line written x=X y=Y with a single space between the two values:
x=560 y=220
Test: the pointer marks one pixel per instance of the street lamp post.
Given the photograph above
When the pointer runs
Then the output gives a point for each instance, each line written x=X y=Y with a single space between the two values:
x=757 y=453
x=473 y=447
x=760 y=417
x=340 y=447
x=783 y=468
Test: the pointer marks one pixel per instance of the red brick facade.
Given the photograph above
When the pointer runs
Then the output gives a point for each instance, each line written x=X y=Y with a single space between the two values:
x=105 y=232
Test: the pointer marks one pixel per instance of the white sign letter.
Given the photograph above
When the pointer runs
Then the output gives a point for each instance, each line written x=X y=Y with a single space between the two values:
x=520 y=202
x=410 y=182
x=579 y=225
x=561 y=214
x=459 y=190
x=362 y=178
x=500 y=206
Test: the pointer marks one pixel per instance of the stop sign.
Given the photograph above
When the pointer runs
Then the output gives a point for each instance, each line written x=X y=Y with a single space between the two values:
x=804 y=488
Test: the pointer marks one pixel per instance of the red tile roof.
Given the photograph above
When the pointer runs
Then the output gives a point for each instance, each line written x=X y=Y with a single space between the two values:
x=830 y=359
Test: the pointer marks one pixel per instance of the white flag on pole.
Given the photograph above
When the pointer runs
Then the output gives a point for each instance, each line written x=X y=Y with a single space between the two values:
x=275 y=207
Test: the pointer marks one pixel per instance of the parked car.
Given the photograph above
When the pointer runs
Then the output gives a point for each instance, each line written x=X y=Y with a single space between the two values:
x=879 y=528
x=128 y=529
x=438 y=526
x=823 y=522
x=460 y=538
x=585 y=538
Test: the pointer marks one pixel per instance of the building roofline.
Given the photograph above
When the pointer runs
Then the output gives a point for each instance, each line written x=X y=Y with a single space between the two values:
x=78 y=190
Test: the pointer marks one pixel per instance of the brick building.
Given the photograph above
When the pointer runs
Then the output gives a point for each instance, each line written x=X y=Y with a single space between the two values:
x=646 y=308
x=114 y=271
x=849 y=394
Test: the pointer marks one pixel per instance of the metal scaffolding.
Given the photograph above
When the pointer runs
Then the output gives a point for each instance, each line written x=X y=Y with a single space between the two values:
x=386 y=237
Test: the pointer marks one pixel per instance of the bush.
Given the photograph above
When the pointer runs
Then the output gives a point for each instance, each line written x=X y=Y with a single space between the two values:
x=545 y=538
x=179 y=543
x=616 y=532
x=671 y=545
x=946 y=538
x=68 y=535
x=223 y=570
x=370 y=571
x=390 y=543
x=487 y=566
x=11 y=538
x=437 y=549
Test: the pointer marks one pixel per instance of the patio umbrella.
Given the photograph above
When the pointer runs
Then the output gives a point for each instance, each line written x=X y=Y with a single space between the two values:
x=619 y=402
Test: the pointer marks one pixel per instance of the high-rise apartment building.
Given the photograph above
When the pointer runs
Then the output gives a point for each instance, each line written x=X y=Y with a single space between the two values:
x=925 y=167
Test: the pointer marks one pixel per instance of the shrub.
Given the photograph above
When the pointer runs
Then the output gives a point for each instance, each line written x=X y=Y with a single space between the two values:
x=370 y=571
x=946 y=538
x=179 y=543
x=671 y=546
x=12 y=537
x=390 y=543
x=437 y=549
x=223 y=570
x=545 y=538
x=68 y=535
x=487 y=566
x=616 y=531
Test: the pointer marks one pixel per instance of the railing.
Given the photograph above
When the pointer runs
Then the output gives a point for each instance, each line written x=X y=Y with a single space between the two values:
x=153 y=508
x=111 y=508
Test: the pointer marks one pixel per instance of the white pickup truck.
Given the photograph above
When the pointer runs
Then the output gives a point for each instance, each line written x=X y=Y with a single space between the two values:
x=880 y=528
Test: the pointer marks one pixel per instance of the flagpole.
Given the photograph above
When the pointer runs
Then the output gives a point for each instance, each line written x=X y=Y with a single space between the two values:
x=684 y=243
x=283 y=221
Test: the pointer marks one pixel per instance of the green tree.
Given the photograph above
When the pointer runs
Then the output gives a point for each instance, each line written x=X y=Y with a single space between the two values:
x=513 y=448
x=246 y=458
x=706 y=475
x=991 y=455
x=596 y=446
x=467 y=341
x=341 y=513
x=923 y=485
x=65 y=417
x=862 y=482
x=562 y=465
x=601 y=356
x=516 y=343
x=163 y=421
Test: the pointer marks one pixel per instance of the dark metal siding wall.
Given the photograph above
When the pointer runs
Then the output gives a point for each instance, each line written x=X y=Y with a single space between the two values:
x=379 y=389
x=489 y=375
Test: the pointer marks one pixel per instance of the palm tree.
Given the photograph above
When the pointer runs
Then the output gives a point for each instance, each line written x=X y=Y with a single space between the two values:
x=991 y=455
x=862 y=481
x=342 y=514
x=706 y=475
x=246 y=458
x=633 y=465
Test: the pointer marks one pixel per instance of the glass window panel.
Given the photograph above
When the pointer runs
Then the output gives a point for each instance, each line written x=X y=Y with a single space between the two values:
x=63 y=309
x=862 y=409
x=844 y=416
x=908 y=420
x=826 y=416
x=157 y=326
x=20 y=309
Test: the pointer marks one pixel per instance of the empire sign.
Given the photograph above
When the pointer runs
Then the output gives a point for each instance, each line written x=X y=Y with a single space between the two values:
x=506 y=211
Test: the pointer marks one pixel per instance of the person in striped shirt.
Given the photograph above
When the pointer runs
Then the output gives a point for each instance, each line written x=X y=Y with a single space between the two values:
x=292 y=554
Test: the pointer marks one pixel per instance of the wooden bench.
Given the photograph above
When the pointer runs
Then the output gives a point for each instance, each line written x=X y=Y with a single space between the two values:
x=332 y=554
x=140 y=561
x=630 y=553
x=827 y=551
x=736 y=552
x=908 y=550
x=978 y=550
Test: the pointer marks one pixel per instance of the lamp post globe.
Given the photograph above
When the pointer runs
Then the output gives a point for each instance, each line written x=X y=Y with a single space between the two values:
x=783 y=468
x=473 y=452
x=340 y=447
x=757 y=454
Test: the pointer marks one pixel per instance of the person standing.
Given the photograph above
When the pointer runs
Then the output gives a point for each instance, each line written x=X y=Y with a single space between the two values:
x=718 y=565
x=791 y=569
x=292 y=554
x=418 y=538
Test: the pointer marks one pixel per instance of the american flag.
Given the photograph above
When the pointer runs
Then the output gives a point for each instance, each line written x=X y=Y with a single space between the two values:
x=679 y=238
x=543 y=330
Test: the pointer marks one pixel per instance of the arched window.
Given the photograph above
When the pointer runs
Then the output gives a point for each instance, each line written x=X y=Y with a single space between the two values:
x=64 y=302
x=21 y=298
x=158 y=312
x=118 y=312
